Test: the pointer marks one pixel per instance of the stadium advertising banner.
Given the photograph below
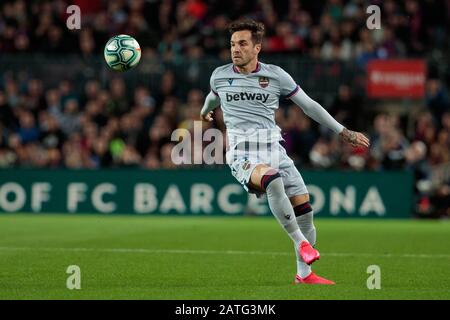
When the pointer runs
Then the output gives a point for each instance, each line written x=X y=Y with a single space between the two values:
x=396 y=78
x=197 y=192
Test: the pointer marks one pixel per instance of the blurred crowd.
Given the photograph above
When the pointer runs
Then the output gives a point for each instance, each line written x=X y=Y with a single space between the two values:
x=108 y=127
x=325 y=29
x=115 y=124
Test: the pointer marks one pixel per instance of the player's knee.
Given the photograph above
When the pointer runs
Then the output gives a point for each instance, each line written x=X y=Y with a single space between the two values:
x=271 y=177
x=302 y=209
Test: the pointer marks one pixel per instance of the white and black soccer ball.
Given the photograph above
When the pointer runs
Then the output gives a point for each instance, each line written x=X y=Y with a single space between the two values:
x=122 y=52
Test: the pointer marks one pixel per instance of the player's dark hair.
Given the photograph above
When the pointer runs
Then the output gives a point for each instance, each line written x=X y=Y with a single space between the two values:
x=256 y=28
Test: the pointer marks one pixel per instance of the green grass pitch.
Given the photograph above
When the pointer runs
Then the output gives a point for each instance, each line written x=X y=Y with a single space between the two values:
x=172 y=257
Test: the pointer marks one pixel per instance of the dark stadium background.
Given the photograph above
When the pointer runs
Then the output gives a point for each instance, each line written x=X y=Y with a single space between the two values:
x=60 y=107
x=87 y=179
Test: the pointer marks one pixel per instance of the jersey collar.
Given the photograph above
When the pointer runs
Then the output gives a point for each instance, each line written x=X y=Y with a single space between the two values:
x=258 y=67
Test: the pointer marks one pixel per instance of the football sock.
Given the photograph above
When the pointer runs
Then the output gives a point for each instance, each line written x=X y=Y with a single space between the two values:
x=281 y=207
x=303 y=270
x=305 y=216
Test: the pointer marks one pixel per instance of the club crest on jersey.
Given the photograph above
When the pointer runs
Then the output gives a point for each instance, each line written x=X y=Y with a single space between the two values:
x=246 y=165
x=263 y=82
x=230 y=81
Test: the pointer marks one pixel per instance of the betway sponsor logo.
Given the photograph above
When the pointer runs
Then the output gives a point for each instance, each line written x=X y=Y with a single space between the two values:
x=397 y=79
x=243 y=96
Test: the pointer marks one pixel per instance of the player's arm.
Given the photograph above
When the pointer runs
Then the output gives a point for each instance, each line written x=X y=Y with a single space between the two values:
x=212 y=101
x=315 y=111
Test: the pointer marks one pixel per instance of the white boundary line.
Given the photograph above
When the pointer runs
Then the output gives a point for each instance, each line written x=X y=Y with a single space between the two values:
x=225 y=252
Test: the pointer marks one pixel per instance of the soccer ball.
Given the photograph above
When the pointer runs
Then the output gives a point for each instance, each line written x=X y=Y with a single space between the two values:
x=122 y=52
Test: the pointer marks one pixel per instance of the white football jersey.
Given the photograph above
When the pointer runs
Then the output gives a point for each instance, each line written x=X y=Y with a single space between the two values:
x=249 y=101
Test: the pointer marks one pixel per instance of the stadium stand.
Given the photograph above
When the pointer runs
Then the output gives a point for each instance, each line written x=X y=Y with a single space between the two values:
x=96 y=119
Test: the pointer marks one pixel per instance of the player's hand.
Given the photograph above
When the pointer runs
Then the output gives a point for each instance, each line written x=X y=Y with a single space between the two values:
x=356 y=139
x=207 y=117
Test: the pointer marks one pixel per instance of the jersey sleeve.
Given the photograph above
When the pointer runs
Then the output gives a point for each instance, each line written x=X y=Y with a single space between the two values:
x=315 y=111
x=288 y=87
x=212 y=84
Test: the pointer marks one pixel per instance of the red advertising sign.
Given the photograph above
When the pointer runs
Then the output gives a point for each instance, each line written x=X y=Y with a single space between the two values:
x=396 y=78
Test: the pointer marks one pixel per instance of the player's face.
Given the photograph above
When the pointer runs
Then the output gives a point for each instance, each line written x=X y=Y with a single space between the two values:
x=243 y=50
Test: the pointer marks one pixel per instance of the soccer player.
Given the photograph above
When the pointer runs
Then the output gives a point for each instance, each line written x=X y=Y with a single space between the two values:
x=248 y=92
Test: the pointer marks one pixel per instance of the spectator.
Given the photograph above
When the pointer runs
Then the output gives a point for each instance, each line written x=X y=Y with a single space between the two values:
x=437 y=97
x=69 y=119
x=346 y=108
x=28 y=130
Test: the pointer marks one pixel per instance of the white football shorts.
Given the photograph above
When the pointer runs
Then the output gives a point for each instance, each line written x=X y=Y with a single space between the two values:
x=244 y=158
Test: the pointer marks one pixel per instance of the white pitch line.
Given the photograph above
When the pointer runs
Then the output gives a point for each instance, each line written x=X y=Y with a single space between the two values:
x=227 y=252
